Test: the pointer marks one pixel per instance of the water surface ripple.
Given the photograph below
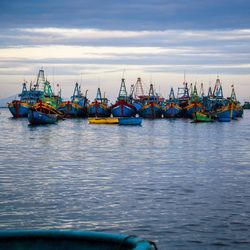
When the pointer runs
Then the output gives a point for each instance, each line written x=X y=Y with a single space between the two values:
x=182 y=185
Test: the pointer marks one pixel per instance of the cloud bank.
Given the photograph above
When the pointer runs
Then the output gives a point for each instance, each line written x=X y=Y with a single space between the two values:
x=69 y=52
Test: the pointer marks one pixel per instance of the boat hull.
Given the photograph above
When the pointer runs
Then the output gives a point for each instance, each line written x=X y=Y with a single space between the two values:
x=151 y=110
x=62 y=239
x=201 y=117
x=72 y=109
x=130 y=121
x=137 y=105
x=108 y=120
x=18 y=109
x=192 y=108
x=238 y=111
x=123 y=109
x=226 y=114
x=36 y=117
x=98 y=110
x=172 y=111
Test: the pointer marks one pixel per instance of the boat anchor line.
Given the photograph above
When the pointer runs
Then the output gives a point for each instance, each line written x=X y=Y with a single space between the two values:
x=134 y=236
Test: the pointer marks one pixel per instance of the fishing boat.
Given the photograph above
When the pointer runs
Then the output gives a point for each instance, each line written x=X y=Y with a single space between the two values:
x=123 y=106
x=151 y=109
x=226 y=113
x=43 y=113
x=137 y=95
x=183 y=97
x=171 y=109
x=203 y=117
x=77 y=106
x=103 y=120
x=50 y=97
x=193 y=107
x=194 y=104
x=99 y=107
x=20 y=107
x=62 y=239
x=130 y=121
x=40 y=91
x=237 y=108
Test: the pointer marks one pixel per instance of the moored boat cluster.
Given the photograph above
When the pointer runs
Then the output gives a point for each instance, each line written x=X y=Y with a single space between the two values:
x=42 y=106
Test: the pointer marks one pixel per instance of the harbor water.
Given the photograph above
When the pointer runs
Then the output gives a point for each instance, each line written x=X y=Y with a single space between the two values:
x=183 y=185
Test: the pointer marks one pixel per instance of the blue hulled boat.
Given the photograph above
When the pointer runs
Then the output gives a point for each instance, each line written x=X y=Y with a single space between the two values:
x=99 y=108
x=40 y=91
x=192 y=108
x=151 y=109
x=137 y=96
x=35 y=117
x=171 y=108
x=130 y=121
x=226 y=113
x=20 y=107
x=183 y=98
x=194 y=104
x=237 y=108
x=43 y=113
x=123 y=106
x=77 y=106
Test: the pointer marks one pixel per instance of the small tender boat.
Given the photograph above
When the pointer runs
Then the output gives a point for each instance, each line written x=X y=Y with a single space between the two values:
x=104 y=120
x=43 y=113
x=55 y=239
x=203 y=117
x=130 y=121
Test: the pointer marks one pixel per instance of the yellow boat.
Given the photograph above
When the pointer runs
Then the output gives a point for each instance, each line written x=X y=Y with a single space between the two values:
x=109 y=120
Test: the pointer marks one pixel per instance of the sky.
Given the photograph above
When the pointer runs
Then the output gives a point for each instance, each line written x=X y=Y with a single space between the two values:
x=98 y=42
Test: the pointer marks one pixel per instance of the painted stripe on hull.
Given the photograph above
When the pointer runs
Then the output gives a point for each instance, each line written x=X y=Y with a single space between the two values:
x=151 y=112
x=226 y=115
x=36 y=117
x=19 y=110
x=124 y=111
x=72 y=110
x=171 y=112
x=98 y=111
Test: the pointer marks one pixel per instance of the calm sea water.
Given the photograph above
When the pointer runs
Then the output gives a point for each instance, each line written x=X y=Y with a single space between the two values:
x=182 y=185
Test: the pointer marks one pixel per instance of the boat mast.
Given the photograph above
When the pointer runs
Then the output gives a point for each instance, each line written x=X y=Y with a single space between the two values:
x=202 y=90
x=210 y=94
x=122 y=92
x=218 y=93
x=233 y=95
x=139 y=91
x=171 y=94
x=98 y=95
x=77 y=91
x=40 y=79
x=151 y=93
